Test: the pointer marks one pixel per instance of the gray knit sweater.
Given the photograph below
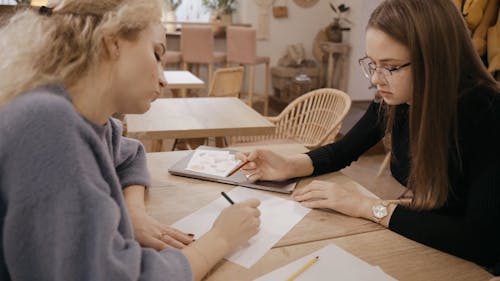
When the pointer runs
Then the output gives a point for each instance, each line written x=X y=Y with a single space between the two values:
x=62 y=212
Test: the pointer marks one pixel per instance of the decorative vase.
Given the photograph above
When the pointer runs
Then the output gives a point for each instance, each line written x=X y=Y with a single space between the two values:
x=170 y=17
x=334 y=31
x=220 y=21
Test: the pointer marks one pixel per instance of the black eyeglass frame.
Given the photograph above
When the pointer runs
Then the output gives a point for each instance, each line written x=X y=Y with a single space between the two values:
x=373 y=69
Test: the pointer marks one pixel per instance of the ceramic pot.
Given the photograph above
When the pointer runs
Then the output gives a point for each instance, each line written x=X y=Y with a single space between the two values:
x=334 y=31
x=220 y=21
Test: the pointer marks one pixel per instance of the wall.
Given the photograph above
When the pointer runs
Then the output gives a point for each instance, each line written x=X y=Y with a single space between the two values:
x=302 y=26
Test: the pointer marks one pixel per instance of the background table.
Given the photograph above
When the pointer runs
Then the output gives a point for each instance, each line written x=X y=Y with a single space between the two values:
x=197 y=118
x=179 y=81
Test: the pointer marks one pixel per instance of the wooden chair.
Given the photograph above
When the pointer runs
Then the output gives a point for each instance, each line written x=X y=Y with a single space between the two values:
x=313 y=119
x=226 y=82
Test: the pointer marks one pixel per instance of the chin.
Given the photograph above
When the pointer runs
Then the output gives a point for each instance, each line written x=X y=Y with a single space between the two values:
x=139 y=108
x=393 y=101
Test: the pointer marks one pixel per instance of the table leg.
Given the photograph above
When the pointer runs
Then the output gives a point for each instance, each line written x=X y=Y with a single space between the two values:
x=220 y=142
x=156 y=145
x=329 y=75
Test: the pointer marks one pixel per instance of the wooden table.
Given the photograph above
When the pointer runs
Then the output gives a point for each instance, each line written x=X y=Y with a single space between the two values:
x=172 y=198
x=197 y=118
x=399 y=257
x=179 y=81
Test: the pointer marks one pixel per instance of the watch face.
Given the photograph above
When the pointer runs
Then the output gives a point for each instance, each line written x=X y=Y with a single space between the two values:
x=379 y=211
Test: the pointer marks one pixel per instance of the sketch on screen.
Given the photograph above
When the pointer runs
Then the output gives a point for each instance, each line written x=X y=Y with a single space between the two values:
x=212 y=162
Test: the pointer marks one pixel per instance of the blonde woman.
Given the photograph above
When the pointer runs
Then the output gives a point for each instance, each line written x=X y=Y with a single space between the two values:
x=441 y=109
x=63 y=163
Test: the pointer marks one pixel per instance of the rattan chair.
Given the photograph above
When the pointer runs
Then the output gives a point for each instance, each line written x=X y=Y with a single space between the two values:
x=313 y=119
x=226 y=82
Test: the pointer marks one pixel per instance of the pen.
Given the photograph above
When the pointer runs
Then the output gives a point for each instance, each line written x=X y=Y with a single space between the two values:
x=238 y=167
x=302 y=269
x=227 y=197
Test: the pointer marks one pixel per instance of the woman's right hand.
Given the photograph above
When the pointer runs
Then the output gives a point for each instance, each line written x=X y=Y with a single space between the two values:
x=238 y=223
x=265 y=165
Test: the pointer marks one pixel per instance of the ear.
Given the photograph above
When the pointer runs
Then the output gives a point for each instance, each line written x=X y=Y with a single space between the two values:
x=112 y=47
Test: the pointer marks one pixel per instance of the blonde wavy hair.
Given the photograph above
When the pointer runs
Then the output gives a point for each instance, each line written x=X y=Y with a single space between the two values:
x=61 y=47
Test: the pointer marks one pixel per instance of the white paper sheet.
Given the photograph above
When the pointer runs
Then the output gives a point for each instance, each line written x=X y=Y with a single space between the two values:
x=334 y=263
x=212 y=162
x=278 y=216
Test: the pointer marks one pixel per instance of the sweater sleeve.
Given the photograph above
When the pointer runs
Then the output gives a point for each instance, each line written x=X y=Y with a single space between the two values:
x=129 y=157
x=64 y=220
x=471 y=233
x=366 y=133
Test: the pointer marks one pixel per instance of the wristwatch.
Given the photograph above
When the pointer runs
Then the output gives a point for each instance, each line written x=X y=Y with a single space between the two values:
x=379 y=210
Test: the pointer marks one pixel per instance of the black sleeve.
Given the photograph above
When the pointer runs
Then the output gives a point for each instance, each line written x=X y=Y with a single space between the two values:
x=472 y=232
x=368 y=131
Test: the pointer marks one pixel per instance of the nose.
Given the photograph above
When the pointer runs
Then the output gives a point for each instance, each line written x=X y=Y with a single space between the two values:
x=162 y=81
x=377 y=78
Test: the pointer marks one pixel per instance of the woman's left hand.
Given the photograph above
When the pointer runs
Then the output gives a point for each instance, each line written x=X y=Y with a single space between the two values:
x=151 y=233
x=320 y=194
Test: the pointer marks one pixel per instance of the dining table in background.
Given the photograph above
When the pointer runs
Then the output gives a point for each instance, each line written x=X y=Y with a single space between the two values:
x=179 y=81
x=183 y=118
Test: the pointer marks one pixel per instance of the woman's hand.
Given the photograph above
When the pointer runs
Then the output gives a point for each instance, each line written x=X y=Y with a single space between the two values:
x=320 y=194
x=238 y=223
x=268 y=165
x=151 y=233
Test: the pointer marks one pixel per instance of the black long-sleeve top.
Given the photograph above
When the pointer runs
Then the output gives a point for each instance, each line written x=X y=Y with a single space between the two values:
x=468 y=225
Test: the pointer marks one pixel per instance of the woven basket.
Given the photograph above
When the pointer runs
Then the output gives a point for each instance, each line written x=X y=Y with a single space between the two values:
x=286 y=88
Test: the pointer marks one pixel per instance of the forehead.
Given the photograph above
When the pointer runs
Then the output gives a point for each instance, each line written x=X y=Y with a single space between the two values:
x=382 y=47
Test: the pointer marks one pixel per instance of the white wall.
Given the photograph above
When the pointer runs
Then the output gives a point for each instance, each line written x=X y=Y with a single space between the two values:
x=302 y=26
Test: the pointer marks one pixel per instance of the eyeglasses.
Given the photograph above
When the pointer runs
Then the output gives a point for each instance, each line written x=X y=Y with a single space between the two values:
x=369 y=68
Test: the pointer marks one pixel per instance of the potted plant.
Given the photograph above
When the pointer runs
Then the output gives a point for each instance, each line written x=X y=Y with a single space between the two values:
x=169 y=15
x=335 y=29
x=222 y=10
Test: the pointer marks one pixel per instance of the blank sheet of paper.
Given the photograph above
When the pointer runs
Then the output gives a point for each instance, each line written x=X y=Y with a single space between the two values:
x=334 y=263
x=278 y=216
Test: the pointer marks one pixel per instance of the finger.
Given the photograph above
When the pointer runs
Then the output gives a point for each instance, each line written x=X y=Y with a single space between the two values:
x=179 y=235
x=317 y=204
x=156 y=244
x=256 y=212
x=253 y=177
x=252 y=202
x=311 y=195
x=172 y=242
x=254 y=155
x=241 y=156
x=314 y=185
x=302 y=191
x=249 y=167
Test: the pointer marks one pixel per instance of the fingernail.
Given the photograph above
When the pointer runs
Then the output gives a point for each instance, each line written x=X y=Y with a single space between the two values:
x=191 y=234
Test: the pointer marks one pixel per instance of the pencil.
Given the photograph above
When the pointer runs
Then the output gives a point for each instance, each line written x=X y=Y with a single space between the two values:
x=302 y=269
x=227 y=197
x=238 y=167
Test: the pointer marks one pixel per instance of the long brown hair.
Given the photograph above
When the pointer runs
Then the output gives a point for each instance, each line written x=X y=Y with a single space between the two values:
x=444 y=64
x=66 y=43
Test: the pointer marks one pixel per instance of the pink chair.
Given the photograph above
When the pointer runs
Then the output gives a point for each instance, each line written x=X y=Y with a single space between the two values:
x=197 y=47
x=242 y=50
